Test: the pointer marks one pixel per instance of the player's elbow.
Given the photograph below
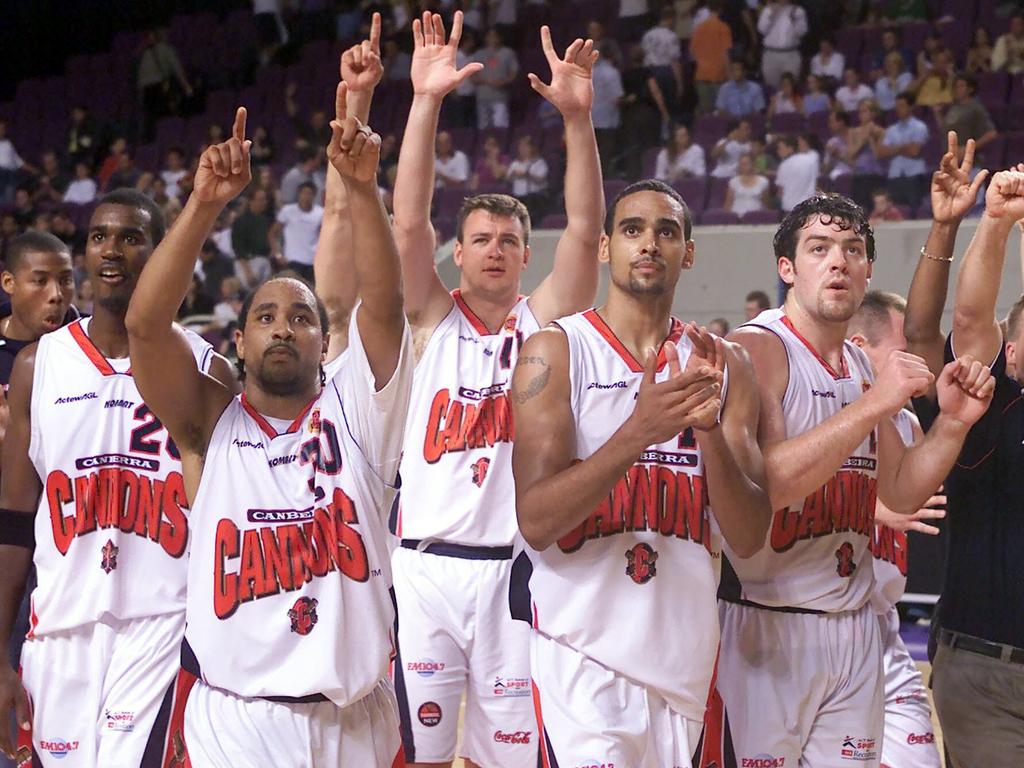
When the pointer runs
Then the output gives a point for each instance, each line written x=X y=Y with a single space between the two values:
x=969 y=319
x=533 y=529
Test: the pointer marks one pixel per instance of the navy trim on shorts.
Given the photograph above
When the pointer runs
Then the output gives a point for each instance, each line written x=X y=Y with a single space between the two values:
x=462 y=551
x=404 y=714
x=520 y=600
x=545 y=745
x=153 y=756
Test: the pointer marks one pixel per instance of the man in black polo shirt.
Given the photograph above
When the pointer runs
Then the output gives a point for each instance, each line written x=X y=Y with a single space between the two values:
x=978 y=677
x=37 y=277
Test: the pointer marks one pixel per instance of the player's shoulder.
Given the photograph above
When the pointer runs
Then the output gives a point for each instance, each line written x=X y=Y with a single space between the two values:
x=763 y=351
x=550 y=341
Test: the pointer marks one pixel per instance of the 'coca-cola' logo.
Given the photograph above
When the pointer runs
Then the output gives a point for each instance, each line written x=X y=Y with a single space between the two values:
x=518 y=737
x=921 y=738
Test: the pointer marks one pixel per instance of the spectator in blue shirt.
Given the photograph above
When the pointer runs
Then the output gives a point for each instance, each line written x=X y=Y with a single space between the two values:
x=903 y=144
x=739 y=97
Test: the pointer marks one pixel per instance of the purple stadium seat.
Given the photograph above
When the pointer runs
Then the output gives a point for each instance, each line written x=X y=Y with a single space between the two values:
x=914 y=34
x=716 y=193
x=718 y=216
x=764 y=216
x=1014 y=151
x=612 y=187
x=554 y=221
x=993 y=86
x=849 y=41
x=841 y=184
x=693 y=191
x=790 y=122
x=447 y=202
x=708 y=129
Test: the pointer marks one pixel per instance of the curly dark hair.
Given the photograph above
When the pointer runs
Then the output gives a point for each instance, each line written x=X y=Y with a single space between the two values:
x=832 y=209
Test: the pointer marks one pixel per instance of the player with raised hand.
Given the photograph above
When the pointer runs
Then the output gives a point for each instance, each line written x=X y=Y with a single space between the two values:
x=457 y=515
x=627 y=477
x=289 y=479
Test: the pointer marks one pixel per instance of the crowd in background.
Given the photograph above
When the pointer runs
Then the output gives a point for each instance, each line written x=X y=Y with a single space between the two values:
x=745 y=107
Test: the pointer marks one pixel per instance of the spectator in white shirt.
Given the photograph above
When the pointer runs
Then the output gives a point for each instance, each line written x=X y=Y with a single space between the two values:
x=662 y=56
x=83 y=189
x=175 y=171
x=529 y=175
x=782 y=26
x=605 y=112
x=828 y=62
x=680 y=159
x=10 y=163
x=451 y=166
x=853 y=91
x=299 y=223
x=748 y=191
x=730 y=148
x=797 y=174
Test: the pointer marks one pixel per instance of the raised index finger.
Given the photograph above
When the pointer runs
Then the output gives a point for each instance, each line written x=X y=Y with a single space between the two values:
x=547 y=45
x=375 y=33
x=238 y=131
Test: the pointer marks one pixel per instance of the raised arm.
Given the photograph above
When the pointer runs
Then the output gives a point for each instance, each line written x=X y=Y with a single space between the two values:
x=19 y=494
x=361 y=70
x=976 y=331
x=354 y=152
x=952 y=193
x=554 y=492
x=434 y=75
x=187 y=401
x=572 y=284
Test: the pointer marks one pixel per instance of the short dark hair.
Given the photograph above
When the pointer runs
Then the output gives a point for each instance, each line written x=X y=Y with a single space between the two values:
x=763 y=302
x=132 y=198
x=243 y=313
x=907 y=96
x=306 y=185
x=788 y=139
x=650 y=185
x=832 y=208
x=32 y=241
x=873 y=314
x=841 y=116
x=970 y=80
x=1013 y=320
x=496 y=204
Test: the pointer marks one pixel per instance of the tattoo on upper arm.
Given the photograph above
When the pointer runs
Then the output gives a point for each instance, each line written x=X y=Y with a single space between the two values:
x=537 y=384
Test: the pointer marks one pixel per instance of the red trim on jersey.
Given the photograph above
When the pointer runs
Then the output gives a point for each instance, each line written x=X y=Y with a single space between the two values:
x=675 y=333
x=266 y=425
x=844 y=374
x=176 y=751
x=478 y=325
x=544 y=761
x=398 y=522
x=23 y=743
x=33 y=619
x=91 y=350
x=713 y=748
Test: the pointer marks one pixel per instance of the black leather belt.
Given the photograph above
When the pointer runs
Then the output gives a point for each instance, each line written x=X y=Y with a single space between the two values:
x=463 y=551
x=981 y=647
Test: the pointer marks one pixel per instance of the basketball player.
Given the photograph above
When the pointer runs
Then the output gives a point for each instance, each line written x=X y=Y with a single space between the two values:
x=877 y=328
x=457 y=517
x=289 y=565
x=618 y=464
x=93 y=483
x=800 y=669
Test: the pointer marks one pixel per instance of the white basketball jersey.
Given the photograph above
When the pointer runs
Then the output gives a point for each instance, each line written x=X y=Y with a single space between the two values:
x=890 y=547
x=817 y=554
x=112 y=523
x=457 y=459
x=633 y=586
x=289 y=571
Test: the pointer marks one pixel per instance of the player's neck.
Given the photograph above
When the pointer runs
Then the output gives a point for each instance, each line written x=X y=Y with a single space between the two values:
x=827 y=338
x=279 y=406
x=108 y=333
x=11 y=327
x=638 y=322
x=492 y=309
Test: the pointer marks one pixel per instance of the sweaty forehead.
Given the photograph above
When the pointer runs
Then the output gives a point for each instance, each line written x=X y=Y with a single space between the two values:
x=114 y=216
x=481 y=221
x=649 y=204
x=815 y=227
x=284 y=291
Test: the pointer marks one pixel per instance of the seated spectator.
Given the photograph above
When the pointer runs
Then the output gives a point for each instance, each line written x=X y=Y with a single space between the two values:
x=83 y=189
x=786 y=100
x=903 y=142
x=884 y=209
x=215 y=268
x=836 y=148
x=451 y=166
x=494 y=82
x=729 y=148
x=828 y=63
x=174 y=171
x=852 y=92
x=82 y=136
x=397 y=63
x=797 y=174
x=862 y=145
x=934 y=87
x=894 y=80
x=709 y=49
x=680 y=158
x=250 y=239
x=126 y=174
x=891 y=43
x=739 y=97
x=295 y=232
x=747 y=191
x=719 y=326
x=765 y=162
x=926 y=56
x=24 y=208
x=815 y=98
x=754 y=304
x=979 y=55
x=10 y=164
x=529 y=174
x=262 y=150
x=196 y=301
x=225 y=312
x=170 y=206
x=1008 y=55
x=491 y=168
x=64 y=227
x=52 y=181
x=968 y=117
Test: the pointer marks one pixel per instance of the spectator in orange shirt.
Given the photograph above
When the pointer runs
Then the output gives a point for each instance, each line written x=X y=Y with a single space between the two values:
x=709 y=47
